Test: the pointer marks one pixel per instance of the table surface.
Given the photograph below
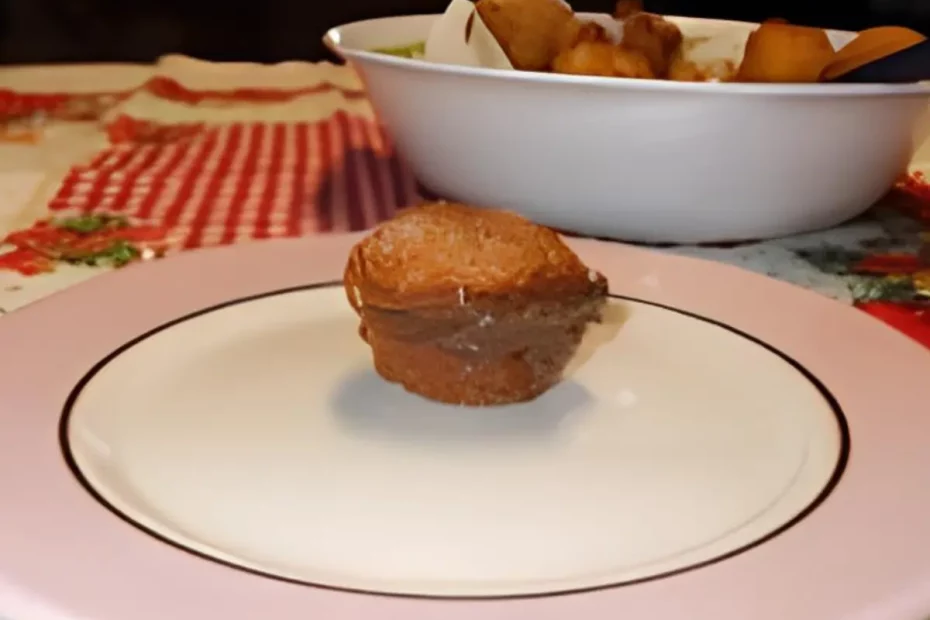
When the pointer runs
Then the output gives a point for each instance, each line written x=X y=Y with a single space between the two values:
x=31 y=174
x=873 y=262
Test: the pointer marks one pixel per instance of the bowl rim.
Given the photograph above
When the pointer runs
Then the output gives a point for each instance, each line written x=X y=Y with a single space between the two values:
x=333 y=36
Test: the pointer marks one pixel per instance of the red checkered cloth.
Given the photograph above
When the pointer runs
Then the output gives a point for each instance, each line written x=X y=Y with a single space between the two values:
x=220 y=185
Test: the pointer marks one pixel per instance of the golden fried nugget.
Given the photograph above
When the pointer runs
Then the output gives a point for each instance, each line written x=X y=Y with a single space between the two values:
x=531 y=32
x=656 y=38
x=583 y=31
x=870 y=45
x=632 y=64
x=683 y=70
x=602 y=59
x=777 y=52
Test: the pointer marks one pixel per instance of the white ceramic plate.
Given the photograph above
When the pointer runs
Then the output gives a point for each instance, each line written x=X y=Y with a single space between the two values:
x=239 y=434
x=225 y=450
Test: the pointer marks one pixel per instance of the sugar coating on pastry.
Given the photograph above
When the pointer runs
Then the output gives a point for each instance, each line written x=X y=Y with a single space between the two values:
x=471 y=306
x=444 y=249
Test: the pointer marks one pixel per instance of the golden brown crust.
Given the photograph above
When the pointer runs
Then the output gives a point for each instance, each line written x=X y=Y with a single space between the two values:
x=869 y=45
x=438 y=254
x=602 y=59
x=777 y=52
x=530 y=32
x=654 y=37
x=471 y=306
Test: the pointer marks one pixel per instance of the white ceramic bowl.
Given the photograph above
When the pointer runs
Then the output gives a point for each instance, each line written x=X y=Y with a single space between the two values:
x=640 y=160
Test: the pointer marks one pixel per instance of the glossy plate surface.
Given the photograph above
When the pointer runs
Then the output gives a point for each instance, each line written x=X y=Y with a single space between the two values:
x=258 y=434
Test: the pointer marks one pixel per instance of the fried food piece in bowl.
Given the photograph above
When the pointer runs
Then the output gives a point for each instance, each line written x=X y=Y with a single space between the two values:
x=589 y=50
x=604 y=60
x=779 y=52
x=869 y=45
x=683 y=70
x=471 y=306
x=581 y=31
x=531 y=32
x=658 y=39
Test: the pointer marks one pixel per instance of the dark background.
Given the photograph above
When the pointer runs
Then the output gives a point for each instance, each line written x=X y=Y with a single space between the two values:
x=47 y=31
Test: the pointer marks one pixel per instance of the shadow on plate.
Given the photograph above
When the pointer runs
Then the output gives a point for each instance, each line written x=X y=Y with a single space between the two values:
x=368 y=406
x=614 y=316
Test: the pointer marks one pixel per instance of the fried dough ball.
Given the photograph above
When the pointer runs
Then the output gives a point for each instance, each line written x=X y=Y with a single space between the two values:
x=531 y=32
x=656 y=38
x=682 y=70
x=869 y=45
x=580 y=31
x=603 y=59
x=777 y=52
